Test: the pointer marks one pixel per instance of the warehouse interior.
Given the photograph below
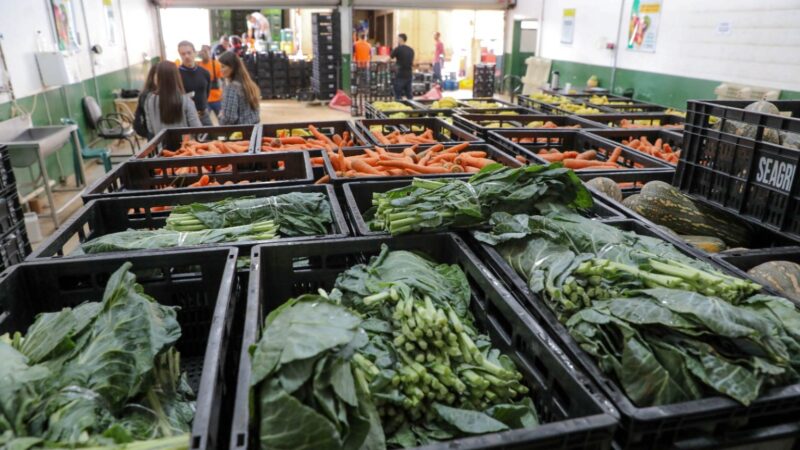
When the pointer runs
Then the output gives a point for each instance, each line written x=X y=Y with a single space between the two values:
x=384 y=224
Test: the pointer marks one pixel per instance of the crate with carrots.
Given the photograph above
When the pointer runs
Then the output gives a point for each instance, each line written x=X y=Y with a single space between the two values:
x=197 y=174
x=201 y=141
x=577 y=150
x=437 y=160
x=481 y=124
x=484 y=103
x=279 y=137
x=637 y=120
x=659 y=143
x=633 y=108
x=401 y=133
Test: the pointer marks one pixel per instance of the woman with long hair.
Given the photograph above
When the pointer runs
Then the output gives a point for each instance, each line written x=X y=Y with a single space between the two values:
x=167 y=106
x=240 y=98
x=139 y=119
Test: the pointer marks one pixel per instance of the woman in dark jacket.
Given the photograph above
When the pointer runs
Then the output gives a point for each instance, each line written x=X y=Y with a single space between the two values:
x=240 y=98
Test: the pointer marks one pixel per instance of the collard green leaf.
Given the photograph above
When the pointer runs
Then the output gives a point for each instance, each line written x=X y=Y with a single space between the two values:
x=522 y=415
x=466 y=421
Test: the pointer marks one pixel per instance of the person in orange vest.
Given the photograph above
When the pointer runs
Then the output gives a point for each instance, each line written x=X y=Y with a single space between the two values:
x=362 y=51
x=215 y=88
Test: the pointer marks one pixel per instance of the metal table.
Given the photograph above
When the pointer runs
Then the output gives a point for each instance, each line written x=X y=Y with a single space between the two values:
x=29 y=145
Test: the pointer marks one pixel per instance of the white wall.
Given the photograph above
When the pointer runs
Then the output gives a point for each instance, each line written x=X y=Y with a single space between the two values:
x=21 y=20
x=763 y=47
x=525 y=9
x=185 y=24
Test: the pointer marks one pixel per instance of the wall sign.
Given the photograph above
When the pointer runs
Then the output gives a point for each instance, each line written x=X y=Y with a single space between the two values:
x=568 y=26
x=65 y=21
x=643 y=25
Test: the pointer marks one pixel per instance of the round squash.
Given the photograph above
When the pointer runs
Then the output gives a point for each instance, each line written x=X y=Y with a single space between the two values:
x=783 y=276
x=632 y=202
x=791 y=140
x=606 y=186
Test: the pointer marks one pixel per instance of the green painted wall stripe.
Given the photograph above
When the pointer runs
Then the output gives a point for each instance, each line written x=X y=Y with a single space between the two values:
x=65 y=101
x=667 y=90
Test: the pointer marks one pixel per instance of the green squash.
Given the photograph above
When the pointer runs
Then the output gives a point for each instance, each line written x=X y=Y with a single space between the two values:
x=783 y=276
x=663 y=204
x=748 y=130
x=708 y=244
x=607 y=186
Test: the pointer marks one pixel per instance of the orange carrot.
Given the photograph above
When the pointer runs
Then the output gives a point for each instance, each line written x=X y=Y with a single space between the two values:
x=468 y=160
x=552 y=157
x=588 y=155
x=615 y=155
x=361 y=166
x=572 y=163
x=410 y=166
x=323 y=180
x=315 y=132
x=521 y=159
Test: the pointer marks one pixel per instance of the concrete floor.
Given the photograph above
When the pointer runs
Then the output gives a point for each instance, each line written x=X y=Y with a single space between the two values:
x=272 y=111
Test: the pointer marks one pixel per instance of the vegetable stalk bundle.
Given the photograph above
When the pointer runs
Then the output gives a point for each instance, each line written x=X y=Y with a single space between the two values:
x=296 y=213
x=427 y=205
x=155 y=239
x=667 y=327
x=100 y=374
x=393 y=350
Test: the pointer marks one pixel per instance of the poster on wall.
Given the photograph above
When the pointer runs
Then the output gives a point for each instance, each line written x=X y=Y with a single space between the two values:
x=568 y=26
x=643 y=25
x=65 y=23
x=108 y=13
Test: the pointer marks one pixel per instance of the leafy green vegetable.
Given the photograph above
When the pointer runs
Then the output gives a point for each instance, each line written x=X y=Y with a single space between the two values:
x=100 y=374
x=305 y=387
x=295 y=213
x=667 y=327
x=441 y=204
x=390 y=357
x=154 y=239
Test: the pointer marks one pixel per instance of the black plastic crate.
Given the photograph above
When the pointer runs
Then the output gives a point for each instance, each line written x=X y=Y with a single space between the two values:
x=11 y=213
x=151 y=176
x=443 y=132
x=574 y=415
x=570 y=140
x=498 y=111
x=552 y=108
x=325 y=39
x=634 y=108
x=325 y=77
x=323 y=58
x=491 y=152
x=462 y=103
x=201 y=283
x=359 y=200
x=112 y=215
x=172 y=138
x=477 y=123
x=750 y=175
x=636 y=120
x=14 y=246
x=713 y=422
x=327 y=128
x=673 y=138
x=7 y=178
x=741 y=261
x=428 y=104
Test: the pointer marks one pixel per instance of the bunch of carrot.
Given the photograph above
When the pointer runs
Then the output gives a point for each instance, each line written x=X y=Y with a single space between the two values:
x=210 y=148
x=550 y=125
x=192 y=170
x=658 y=149
x=205 y=180
x=627 y=123
x=434 y=160
x=396 y=137
x=586 y=160
x=316 y=141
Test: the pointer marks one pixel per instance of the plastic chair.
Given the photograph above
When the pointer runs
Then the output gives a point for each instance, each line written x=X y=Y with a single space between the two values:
x=109 y=126
x=103 y=154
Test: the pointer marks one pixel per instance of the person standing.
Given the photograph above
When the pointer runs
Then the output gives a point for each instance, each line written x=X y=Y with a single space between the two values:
x=438 y=57
x=196 y=80
x=212 y=66
x=362 y=51
x=139 y=118
x=221 y=47
x=167 y=105
x=240 y=98
x=404 y=55
x=258 y=27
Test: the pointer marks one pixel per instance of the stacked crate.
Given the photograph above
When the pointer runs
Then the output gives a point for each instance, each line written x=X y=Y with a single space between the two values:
x=276 y=76
x=327 y=54
x=368 y=84
x=14 y=243
x=483 y=80
x=280 y=75
x=297 y=81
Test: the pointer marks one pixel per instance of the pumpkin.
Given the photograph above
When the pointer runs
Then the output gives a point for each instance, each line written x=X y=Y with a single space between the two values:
x=708 y=244
x=749 y=130
x=665 y=205
x=782 y=276
x=607 y=186
x=632 y=202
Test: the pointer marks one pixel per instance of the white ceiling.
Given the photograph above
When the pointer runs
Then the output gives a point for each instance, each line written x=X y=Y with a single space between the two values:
x=362 y=4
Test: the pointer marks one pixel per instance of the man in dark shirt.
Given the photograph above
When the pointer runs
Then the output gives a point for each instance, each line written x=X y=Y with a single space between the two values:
x=404 y=55
x=196 y=80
